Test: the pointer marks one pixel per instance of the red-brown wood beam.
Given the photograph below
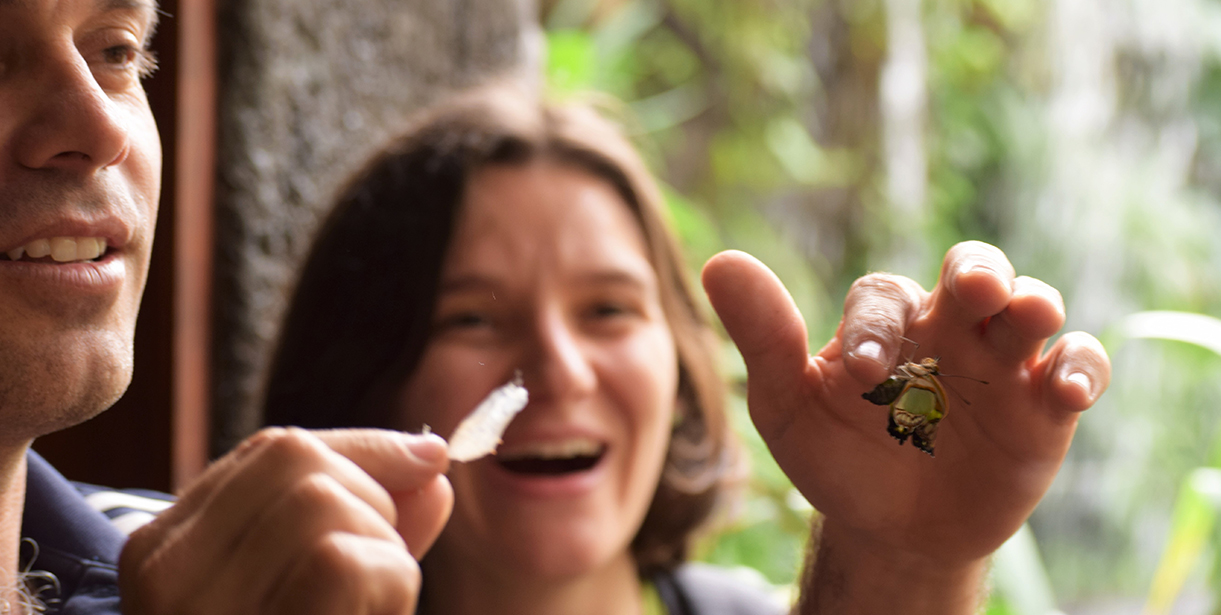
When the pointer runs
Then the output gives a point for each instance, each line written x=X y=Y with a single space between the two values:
x=193 y=234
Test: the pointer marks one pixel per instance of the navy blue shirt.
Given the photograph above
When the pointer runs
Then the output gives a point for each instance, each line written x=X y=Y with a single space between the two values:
x=67 y=538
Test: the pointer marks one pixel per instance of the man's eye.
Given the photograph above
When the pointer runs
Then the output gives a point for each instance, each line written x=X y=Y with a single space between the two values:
x=130 y=57
x=119 y=54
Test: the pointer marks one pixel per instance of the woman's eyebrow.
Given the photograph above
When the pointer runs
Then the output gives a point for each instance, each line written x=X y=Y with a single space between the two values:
x=461 y=283
x=616 y=277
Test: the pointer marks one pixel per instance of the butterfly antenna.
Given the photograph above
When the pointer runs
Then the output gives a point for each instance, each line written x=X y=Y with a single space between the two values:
x=956 y=393
x=962 y=376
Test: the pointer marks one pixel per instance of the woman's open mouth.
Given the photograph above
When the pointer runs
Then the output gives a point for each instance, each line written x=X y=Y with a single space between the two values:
x=552 y=458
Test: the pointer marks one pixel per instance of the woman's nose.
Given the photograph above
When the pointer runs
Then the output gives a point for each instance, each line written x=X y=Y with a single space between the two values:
x=558 y=364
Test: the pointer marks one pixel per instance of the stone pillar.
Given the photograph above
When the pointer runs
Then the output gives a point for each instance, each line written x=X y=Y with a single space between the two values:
x=307 y=88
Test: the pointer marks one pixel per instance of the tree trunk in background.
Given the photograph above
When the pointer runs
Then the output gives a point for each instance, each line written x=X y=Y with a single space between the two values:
x=307 y=88
x=834 y=219
x=904 y=105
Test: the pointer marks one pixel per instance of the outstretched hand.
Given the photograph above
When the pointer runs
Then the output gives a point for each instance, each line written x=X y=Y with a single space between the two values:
x=999 y=446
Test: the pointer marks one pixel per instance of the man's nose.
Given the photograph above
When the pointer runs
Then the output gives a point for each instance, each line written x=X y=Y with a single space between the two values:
x=558 y=363
x=71 y=123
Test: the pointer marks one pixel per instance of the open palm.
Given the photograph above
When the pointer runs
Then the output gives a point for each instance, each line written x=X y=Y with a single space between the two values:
x=998 y=448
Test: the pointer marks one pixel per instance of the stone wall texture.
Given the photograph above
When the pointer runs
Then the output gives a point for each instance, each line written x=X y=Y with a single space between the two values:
x=308 y=87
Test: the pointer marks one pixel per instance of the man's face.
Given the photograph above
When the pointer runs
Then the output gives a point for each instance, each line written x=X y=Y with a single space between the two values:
x=80 y=167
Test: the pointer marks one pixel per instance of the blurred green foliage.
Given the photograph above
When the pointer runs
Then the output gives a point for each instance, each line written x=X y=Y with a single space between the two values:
x=1081 y=137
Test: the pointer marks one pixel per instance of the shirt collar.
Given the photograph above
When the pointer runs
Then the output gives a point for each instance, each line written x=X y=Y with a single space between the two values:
x=61 y=533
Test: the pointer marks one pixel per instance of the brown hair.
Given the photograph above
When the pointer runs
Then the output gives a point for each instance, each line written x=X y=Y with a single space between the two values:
x=360 y=317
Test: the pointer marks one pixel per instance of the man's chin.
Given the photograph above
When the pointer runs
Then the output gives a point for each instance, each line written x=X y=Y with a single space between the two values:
x=61 y=392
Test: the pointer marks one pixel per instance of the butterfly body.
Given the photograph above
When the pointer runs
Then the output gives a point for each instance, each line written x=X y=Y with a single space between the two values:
x=917 y=403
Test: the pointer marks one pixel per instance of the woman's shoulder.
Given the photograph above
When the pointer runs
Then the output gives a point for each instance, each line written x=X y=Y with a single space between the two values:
x=702 y=589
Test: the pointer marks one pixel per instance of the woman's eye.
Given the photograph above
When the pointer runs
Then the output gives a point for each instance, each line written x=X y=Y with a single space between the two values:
x=609 y=310
x=465 y=320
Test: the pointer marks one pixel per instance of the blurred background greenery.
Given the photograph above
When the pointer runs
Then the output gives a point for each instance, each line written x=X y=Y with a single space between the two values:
x=1083 y=137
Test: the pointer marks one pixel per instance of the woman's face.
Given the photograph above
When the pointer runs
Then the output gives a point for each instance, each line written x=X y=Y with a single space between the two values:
x=547 y=273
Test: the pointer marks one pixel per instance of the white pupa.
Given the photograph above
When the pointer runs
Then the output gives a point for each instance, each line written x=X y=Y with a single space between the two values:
x=479 y=433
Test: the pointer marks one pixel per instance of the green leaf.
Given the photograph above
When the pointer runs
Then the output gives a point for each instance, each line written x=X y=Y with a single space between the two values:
x=1195 y=515
x=1019 y=577
x=571 y=61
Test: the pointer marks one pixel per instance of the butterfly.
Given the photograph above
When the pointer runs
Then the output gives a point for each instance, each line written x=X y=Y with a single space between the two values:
x=917 y=402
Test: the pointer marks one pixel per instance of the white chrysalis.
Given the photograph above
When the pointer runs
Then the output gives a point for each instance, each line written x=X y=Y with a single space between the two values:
x=479 y=433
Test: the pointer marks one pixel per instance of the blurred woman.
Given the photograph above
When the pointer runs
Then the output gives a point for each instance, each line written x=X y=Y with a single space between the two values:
x=500 y=235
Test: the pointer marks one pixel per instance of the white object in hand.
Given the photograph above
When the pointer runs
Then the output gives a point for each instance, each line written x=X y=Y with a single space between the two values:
x=479 y=433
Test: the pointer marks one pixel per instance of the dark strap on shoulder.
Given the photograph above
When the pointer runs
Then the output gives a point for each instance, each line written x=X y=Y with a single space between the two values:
x=701 y=589
x=671 y=594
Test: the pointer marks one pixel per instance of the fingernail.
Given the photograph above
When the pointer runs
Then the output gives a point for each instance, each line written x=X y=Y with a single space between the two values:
x=978 y=268
x=428 y=447
x=975 y=267
x=869 y=349
x=1080 y=380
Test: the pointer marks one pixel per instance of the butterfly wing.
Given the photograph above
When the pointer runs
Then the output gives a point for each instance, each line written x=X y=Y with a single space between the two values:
x=887 y=392
x=917 y=411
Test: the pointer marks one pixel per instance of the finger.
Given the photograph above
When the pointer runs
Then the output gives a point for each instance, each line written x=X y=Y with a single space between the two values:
x=143 y=592
x=148 y=559
x=1035 y=312
x=198 y=540
x=877 y=312
x=173 y=547
x=397 y=461
x=315 y=507
x=423 y=514
x=1078 y=372
x=759 y=315
x=345 y=573
x=289 y=456
x=976 y=282
x=219 y=472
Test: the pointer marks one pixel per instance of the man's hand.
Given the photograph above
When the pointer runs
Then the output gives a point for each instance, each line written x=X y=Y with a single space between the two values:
x=902 y=530
x=296 y=522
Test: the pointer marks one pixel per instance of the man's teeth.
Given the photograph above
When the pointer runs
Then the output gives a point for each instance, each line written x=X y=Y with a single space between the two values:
x=554 y=449
x=61 y=249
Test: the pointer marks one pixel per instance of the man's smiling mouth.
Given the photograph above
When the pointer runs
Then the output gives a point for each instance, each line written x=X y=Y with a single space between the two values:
x=58 y=250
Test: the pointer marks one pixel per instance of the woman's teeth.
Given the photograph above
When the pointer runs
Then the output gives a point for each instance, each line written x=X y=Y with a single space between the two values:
x=60 y=249
x=553 y=449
